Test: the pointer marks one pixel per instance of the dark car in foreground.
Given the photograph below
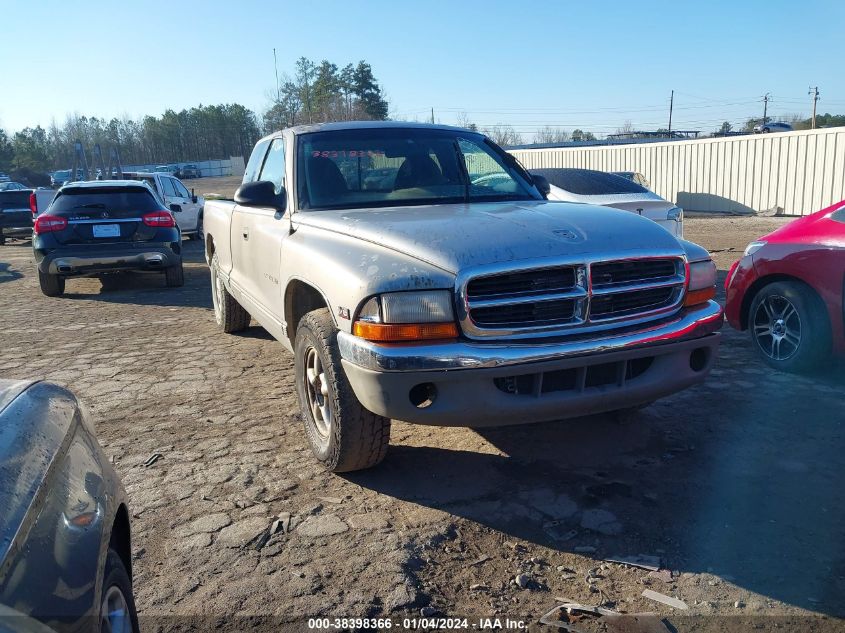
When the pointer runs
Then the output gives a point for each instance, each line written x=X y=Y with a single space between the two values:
x=65 y=553
x=94 y=229
x=787 y=291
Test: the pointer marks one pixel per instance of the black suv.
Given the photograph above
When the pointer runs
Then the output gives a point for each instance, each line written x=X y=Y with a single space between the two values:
x=92 y=229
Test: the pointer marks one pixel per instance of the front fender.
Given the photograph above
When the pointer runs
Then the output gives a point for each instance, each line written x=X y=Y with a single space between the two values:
x=346 y=270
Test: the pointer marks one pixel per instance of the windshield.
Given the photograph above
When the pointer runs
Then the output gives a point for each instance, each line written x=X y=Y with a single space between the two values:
x=345 y=169
x=587 y=182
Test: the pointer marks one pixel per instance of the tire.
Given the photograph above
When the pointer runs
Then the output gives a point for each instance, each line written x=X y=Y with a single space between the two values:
x=229 y=314
x=117 y=603
x=175 y=276
x=789 y=327
x=51 y=285
x=344 y=436
x=199 y=234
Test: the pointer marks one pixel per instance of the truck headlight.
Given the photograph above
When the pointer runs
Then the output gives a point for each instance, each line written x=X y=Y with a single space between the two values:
x=407 y=316
x=753 y=247
x=675 y=213
x=702 y=283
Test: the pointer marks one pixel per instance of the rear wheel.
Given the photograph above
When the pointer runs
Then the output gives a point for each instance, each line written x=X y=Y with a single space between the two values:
x=51 y=285
x=343 y=435
x=228 y=313
x=117 y=604
x=175 y=276
x=789 y=326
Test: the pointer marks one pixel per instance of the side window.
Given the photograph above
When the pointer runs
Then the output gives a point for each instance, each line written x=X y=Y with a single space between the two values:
x=180 y=189
x=274 y=165
x=256 y=159
x=167 y=187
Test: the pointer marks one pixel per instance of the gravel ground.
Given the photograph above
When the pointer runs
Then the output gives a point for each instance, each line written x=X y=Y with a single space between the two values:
x=735 y=485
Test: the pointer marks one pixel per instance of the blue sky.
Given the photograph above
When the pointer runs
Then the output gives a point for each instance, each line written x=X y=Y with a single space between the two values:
x=590 y=64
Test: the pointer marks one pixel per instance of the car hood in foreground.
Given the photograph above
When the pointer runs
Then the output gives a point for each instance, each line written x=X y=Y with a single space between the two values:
x=457 y=236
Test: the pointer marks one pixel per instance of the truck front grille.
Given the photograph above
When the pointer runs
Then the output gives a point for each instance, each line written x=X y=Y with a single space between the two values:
x=556 y=299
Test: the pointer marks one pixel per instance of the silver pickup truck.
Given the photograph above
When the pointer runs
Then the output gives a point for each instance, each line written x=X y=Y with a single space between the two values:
x=418 y=273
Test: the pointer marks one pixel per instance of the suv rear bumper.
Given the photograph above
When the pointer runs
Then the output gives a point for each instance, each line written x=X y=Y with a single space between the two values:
x=94 y=259
x=493 y=384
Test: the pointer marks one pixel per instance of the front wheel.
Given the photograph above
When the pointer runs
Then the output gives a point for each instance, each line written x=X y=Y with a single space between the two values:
x=343 y=435
x=51 y=285
x=117 y=604
x=789 y=326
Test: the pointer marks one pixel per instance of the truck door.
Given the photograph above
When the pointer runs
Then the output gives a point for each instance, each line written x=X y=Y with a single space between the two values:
x=261 y=232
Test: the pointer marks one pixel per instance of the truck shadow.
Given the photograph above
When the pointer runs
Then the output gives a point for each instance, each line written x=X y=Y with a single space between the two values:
x=737 y=493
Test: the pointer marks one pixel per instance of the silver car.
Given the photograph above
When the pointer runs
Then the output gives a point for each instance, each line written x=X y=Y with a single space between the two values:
x=588 y=186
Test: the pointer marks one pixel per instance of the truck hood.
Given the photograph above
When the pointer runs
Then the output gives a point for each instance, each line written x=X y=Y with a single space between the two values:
x=456 y=236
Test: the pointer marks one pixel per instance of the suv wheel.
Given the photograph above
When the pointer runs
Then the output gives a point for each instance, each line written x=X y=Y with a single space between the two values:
x=343 y=435
x=229 y=314
x=51 y=285
x=789 y=326
x=175 y=276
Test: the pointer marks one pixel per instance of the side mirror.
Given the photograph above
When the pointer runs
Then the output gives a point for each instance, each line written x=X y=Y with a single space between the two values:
x=261 y=193
x=542 y=185
x=193 y=197
x=176 y=208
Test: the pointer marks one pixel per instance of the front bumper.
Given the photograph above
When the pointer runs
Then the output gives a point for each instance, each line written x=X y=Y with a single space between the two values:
x=91 y=259
x=492 y=384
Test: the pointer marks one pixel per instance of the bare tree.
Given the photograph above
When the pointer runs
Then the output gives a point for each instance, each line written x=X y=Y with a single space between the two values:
x=549 y=134
x=503 y=135
x=462 y=120
x=626 y=128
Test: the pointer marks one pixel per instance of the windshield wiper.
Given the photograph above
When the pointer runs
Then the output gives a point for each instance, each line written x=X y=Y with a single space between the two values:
x=90 y=205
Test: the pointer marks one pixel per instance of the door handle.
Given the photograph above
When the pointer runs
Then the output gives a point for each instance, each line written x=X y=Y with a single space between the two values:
x=245 y=231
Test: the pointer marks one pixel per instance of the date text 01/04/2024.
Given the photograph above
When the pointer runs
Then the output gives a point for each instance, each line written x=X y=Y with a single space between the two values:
x=480 y=624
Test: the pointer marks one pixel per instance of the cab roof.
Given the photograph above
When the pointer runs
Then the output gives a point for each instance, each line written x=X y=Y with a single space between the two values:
x=364 y=125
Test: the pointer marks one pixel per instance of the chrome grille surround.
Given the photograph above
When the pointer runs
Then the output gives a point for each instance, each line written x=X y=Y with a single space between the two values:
x=633 y=298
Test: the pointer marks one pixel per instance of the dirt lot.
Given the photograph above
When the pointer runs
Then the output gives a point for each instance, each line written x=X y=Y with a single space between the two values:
x=736 y=485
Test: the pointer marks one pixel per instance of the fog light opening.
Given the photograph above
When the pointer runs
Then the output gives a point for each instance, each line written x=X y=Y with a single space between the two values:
x=699 y=358
x=422 y=395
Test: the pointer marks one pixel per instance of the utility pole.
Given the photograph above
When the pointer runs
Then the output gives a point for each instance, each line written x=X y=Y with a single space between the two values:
x=276 y=67
x=766 y=98
x=815 y=93
x=432 y=115
x=671 y=105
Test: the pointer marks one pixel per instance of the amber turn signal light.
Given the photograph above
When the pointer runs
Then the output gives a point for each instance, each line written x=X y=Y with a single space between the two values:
x=403 y=332
x=695 y=297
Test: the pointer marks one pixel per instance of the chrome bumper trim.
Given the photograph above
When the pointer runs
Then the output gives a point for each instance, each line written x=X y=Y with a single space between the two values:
x=688 y=324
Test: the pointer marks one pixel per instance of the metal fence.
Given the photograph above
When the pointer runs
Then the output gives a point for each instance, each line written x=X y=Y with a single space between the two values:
x=792 y=173
x=233 y=166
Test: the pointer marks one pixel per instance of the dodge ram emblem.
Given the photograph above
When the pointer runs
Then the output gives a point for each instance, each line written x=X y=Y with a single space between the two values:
x=565 y=234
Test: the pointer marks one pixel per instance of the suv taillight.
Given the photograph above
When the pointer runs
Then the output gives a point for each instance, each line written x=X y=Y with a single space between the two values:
x=161 y=219
x=49 y=224
x=33 y=204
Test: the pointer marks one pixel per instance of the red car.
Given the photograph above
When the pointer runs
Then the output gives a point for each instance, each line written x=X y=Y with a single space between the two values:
x=787 y=290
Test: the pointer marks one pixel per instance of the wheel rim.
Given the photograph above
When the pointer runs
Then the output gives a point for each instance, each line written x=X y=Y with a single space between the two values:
x=217 y=295
x=777 y=328
x=114 y=613
x=317 y=390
